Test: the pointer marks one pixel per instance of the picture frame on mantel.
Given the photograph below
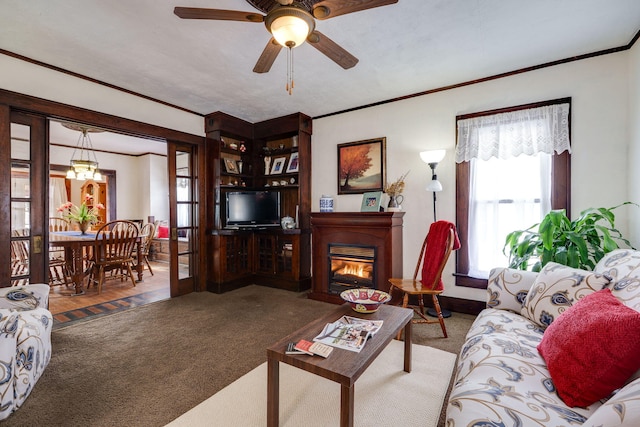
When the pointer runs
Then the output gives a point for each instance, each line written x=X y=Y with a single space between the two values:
x=371 y=201
x=362 y=166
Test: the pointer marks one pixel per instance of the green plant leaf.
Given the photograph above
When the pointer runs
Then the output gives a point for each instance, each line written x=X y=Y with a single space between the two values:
x=580 y=243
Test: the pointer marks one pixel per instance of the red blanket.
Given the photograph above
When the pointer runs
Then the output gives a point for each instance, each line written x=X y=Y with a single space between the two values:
x=436 y=249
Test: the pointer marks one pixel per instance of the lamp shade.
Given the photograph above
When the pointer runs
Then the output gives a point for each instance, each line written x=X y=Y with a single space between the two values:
x=290 y=31
x=434 y=185
x=290 y=25
x=432 y=156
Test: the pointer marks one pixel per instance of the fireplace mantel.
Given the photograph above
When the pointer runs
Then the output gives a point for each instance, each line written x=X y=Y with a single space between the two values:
x=383 y=230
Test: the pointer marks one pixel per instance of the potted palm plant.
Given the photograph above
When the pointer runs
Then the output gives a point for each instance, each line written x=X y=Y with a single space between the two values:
x=580 y=243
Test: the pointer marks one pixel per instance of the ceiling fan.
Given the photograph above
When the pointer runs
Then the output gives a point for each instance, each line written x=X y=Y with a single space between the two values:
x=291 y=22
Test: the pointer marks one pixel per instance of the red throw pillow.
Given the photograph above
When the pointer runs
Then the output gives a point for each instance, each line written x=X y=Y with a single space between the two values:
x=592 y=348
x=163 y=232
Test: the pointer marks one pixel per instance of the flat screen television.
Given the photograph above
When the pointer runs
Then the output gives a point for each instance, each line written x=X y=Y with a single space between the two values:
x=252 y=209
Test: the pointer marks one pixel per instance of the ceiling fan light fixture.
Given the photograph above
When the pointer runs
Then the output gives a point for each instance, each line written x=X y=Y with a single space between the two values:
x=289 y=25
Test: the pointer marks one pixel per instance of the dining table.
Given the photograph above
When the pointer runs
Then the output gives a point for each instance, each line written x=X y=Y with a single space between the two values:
x=75 y=244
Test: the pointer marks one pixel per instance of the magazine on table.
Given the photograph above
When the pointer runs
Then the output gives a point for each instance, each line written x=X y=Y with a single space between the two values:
x=348 y=333
x=372 y=326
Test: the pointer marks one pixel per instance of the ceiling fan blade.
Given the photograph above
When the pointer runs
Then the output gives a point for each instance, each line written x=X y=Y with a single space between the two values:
x=330 y=48
x=331 y=8
x=268 y=56
x=217 y=14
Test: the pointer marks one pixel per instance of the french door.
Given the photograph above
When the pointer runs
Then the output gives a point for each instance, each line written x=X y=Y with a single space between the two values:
x=24 y=198
x=184 y=186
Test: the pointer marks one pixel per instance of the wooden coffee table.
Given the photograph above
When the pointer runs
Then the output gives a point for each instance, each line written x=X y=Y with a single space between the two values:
x=342 y=366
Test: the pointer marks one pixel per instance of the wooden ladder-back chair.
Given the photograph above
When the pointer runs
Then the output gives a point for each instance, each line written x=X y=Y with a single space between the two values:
x=148 y=232
x=438 y=244
x=113 y=251
x=58 y=269
x=19 y=259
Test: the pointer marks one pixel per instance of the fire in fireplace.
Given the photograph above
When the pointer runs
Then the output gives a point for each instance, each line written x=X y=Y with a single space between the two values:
x=351 y=266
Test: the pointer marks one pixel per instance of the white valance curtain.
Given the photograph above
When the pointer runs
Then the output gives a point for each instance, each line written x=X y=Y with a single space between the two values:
x=507 y=135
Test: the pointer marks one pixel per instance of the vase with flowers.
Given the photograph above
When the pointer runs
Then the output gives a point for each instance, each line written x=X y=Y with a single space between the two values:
x=82 y=215
x=394 y=190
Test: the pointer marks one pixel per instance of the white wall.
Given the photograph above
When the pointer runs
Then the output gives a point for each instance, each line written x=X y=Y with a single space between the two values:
x=130 y=175
x=29 y=79
x=158 y=187
x=634 y=138
x=600 y=123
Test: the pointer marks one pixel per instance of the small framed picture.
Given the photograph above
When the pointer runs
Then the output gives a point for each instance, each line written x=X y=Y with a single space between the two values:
x=371 y=201
x=293 y=163
x=278 y=165
x=230 y=165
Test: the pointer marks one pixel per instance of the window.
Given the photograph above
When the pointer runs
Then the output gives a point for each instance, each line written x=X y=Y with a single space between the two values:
x=513 y=166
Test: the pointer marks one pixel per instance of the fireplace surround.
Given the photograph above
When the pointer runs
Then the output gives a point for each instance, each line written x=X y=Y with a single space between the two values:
x=354 y=249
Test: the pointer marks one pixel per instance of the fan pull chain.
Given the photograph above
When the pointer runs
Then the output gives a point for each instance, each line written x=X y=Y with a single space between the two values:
x=290 y=84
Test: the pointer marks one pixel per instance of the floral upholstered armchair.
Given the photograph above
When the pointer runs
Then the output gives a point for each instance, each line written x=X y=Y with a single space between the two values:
x=25 y=342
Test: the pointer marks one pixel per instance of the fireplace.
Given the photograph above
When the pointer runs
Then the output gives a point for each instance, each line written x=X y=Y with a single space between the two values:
x=354 y=250
x=351 y=266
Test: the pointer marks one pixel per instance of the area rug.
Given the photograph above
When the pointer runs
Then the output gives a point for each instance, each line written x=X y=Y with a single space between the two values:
x=384 y=394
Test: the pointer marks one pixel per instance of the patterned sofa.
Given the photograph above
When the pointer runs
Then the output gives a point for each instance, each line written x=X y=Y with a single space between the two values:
x=554 y=349
x=25 y=342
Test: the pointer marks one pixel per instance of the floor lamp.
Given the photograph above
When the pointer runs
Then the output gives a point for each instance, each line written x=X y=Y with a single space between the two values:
x=432 y=158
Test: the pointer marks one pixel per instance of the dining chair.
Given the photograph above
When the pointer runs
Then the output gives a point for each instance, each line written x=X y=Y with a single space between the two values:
x=148 y=232
x=59 y=273
x=440 y=241
x=113 y=252
x=19 y=259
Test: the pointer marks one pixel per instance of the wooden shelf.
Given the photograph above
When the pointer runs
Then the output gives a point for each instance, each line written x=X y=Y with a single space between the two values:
x=274 y=257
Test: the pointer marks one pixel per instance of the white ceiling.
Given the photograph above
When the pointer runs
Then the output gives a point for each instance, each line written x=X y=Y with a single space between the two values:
x=105 y=141
x=404 y=48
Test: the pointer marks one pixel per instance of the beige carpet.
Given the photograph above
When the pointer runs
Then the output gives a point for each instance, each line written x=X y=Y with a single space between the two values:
x=384 y=394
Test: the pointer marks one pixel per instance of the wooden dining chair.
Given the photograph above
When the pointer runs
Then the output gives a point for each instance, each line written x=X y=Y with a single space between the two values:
x=59 y=273
x=19 y=260
x=148 y=232
x=113 y=252
x=440 y=241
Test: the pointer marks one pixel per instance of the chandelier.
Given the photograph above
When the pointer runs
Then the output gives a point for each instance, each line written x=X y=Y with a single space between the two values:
x=85 y=165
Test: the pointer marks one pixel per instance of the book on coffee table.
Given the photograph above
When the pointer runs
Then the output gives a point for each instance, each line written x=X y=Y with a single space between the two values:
x=313 y=348
x=291 y=349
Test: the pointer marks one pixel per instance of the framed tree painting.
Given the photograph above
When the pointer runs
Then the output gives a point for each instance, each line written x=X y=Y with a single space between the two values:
x=361 y=166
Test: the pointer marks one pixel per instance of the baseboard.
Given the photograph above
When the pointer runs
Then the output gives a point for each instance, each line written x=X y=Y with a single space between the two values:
x=460 y=305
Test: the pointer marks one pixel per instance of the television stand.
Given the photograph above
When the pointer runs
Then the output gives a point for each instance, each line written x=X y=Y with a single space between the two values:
x=268 y=256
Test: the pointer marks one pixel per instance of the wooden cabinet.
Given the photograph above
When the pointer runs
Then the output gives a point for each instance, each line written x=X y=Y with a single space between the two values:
x=93 y=193
x=273 y=156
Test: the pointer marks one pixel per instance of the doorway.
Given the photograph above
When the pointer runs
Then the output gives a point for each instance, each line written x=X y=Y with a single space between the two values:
x=133 y=177
x=17 y=110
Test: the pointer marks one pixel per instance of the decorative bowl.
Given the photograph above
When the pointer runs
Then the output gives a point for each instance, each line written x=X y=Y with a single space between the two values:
x=365 y=300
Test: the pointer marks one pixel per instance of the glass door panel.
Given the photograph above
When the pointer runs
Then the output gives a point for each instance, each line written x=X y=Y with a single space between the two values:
x=20 y=203
x=183 y=213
